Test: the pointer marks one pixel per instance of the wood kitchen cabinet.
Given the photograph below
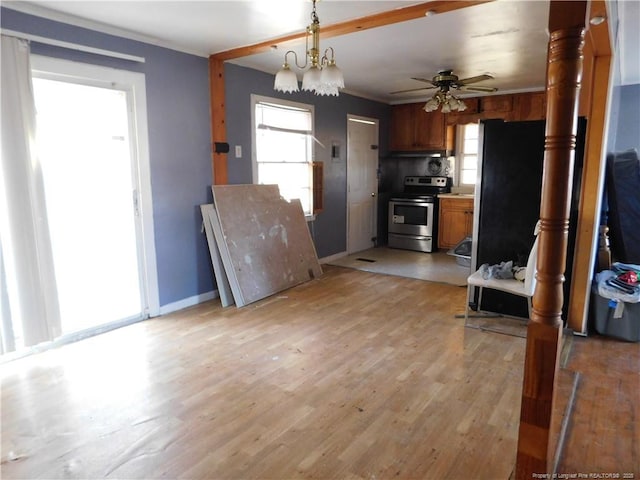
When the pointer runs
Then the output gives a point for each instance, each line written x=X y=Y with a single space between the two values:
x=517 y=107
x=413 y=129
x=455 y=220
x=530 y=106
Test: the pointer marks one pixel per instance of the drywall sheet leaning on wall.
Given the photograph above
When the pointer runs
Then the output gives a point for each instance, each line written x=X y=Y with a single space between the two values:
x=266 y=239
x=224 y=289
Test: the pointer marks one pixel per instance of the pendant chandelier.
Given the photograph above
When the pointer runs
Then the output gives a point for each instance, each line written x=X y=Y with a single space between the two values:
x=446 y=100
x=323 y=76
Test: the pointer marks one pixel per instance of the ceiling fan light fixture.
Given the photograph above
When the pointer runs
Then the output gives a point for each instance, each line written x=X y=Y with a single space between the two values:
x=286 y=80
x=432 y=104
x=446 y=82
x=446 y=101
x=323 y=76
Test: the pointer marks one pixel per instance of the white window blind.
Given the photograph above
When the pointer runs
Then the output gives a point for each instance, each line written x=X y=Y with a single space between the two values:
x=468 y=153
x=284 y=149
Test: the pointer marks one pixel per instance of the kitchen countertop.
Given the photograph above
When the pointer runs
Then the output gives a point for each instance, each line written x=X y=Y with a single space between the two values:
x=456 y=195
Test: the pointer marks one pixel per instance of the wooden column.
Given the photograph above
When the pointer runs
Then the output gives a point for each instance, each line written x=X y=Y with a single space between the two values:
x=218 y=125
x=564 y=69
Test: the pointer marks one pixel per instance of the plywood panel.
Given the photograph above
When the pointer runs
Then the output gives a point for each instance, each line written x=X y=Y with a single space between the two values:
x=224 y=289
x=266 y=238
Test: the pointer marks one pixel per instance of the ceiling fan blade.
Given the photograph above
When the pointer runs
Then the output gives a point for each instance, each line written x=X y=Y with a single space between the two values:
x=411 y=90
x=424 y=80
x=480 y=89
x=477 y=78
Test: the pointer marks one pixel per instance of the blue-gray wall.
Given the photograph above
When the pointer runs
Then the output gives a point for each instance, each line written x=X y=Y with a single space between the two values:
x=614 y=111
x=179 y=143
x=329 y=230
x=627 y=128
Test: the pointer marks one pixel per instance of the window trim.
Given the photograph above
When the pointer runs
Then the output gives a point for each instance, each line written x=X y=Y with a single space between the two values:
x=257 y=99
x=459 y=157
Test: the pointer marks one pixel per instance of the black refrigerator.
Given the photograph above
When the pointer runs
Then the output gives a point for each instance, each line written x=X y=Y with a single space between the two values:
x=512 y=155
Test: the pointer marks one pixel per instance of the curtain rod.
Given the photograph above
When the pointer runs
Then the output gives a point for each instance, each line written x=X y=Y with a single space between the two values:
x=73 y=46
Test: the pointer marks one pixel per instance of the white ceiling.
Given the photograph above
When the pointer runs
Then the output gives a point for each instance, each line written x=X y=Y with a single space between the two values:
x=506 y=38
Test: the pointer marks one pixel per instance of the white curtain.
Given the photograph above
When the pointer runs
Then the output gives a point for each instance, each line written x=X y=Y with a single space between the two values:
x=30 y=287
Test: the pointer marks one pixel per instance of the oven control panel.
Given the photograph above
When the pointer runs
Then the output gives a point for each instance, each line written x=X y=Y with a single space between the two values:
x=426 y=181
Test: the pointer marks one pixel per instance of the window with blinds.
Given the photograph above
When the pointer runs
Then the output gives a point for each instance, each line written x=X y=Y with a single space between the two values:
x=467 y=156
x=283 y=135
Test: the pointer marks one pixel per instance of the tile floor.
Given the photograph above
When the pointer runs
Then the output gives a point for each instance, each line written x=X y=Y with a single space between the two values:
x=434 y=267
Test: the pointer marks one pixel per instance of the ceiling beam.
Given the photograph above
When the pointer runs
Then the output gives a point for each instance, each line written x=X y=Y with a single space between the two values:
x=351 y=26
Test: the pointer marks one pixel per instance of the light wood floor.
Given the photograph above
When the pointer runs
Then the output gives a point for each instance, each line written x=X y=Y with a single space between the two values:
x=353 y=375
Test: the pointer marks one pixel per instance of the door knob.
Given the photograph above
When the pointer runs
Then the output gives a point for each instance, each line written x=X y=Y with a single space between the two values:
x=373 y=194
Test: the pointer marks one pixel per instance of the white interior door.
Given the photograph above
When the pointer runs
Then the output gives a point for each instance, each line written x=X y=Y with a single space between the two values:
x=362 y=183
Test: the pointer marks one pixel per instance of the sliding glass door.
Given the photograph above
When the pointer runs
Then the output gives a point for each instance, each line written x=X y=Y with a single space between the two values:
x=89 y=178
x=90 y=190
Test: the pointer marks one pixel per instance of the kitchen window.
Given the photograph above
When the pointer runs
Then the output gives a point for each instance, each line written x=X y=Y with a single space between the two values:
x=467 y=157
x=283 y=148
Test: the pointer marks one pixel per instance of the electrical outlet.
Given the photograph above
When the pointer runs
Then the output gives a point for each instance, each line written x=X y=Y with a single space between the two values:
x=238 y=151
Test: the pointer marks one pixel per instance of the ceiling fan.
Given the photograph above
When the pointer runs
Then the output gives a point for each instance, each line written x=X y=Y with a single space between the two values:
x=445 y=80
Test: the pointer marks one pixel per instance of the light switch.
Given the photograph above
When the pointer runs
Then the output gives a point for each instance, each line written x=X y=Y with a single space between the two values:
x=238 y=151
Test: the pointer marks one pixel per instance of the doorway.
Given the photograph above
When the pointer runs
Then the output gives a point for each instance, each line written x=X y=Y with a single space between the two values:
x=93 y=155
x=89 y=183
x=362 y=182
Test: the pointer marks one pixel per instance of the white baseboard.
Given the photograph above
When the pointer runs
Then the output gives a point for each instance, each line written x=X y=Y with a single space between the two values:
x=333 y=257
x=188 y=302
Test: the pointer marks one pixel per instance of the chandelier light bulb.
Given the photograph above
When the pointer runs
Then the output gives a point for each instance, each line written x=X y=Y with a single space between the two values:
x=286 y=80
x=332 y=76
x=326 y=90
x=311 y=79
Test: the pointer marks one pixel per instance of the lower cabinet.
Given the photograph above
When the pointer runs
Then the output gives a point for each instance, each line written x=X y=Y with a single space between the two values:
x=455 y=220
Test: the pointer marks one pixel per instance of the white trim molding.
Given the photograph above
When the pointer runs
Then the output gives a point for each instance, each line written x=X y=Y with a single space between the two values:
x=72 y=46
x=188 y=302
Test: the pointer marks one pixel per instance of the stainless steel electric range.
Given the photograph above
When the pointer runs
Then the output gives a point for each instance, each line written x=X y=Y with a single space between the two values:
x=413 y=214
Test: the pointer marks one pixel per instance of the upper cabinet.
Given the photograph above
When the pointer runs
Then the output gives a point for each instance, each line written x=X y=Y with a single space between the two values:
x=511 y=108
x=402 y=127
x=531 y=106
x=413 y=129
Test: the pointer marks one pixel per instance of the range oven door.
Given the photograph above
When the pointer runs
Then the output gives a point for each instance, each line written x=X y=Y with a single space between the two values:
x=410 y=217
